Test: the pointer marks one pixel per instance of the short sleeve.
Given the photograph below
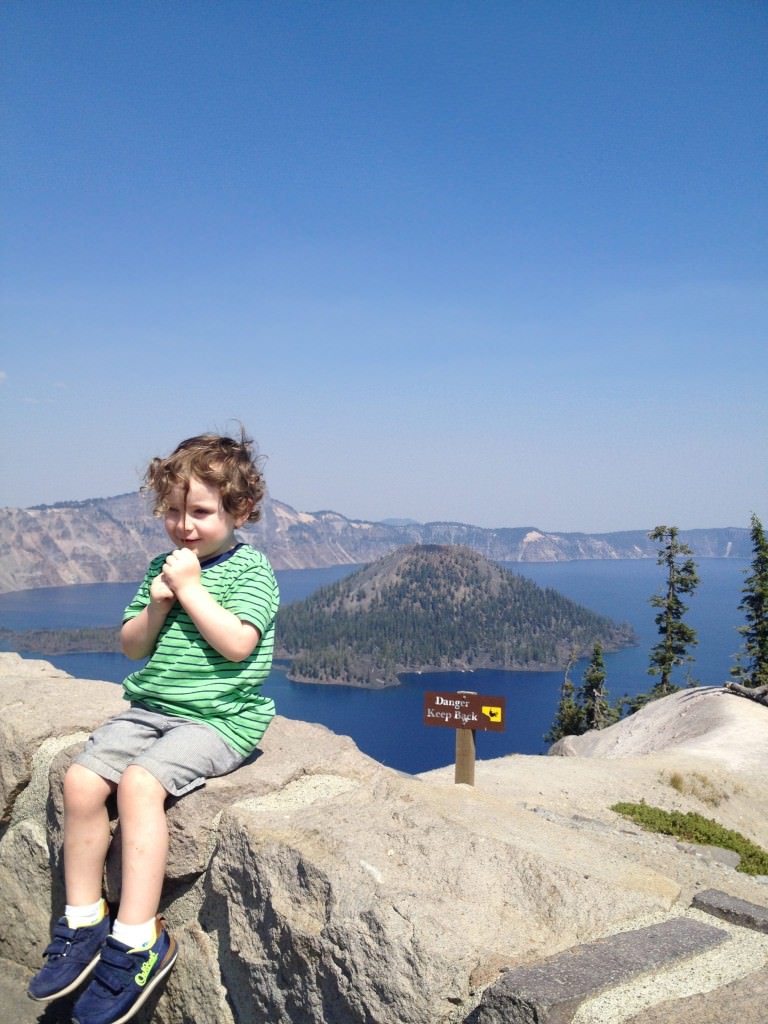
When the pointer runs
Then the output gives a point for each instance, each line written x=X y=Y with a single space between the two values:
x=254 y=596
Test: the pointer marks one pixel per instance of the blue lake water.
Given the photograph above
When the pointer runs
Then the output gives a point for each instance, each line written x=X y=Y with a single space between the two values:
x=387 y=724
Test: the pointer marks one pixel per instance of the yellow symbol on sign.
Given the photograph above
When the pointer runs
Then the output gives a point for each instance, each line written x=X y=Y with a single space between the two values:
x=492 y=714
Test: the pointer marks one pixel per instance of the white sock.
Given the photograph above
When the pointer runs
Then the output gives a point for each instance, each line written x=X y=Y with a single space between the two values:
x=90 y=914
x=135 y=936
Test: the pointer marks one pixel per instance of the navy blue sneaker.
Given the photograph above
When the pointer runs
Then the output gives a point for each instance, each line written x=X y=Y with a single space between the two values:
x=71 y=956
x=123 y=979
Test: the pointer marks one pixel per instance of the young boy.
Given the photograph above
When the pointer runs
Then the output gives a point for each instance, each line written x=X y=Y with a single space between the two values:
x=204 y=615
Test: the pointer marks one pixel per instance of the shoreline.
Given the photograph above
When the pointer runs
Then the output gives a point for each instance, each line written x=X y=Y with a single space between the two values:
x=283 y=665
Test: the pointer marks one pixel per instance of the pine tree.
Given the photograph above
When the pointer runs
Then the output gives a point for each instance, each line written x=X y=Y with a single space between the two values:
x=752 y=661
x=569 y=720
x=593 y=696
x=676 y=635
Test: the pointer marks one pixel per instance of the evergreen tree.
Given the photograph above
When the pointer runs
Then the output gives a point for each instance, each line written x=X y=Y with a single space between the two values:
x=569 y=720
x=752 y=661
x=676 y=635
x=593 y=696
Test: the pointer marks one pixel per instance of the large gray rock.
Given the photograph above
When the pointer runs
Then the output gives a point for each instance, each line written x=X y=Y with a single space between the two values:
x=707 y=721
x=40 y=704
x=315 y=886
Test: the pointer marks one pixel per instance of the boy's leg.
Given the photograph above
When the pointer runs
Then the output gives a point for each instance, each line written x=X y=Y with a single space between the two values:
x=144 y=829
x=75 y=948
x=86 y=833
x=180 y=760
x=139 y=953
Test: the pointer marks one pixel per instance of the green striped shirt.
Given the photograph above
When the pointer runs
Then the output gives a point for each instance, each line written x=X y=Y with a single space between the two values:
x=187 y=677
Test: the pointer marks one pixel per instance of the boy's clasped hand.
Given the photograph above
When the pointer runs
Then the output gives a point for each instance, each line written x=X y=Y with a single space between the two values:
x=180 y=568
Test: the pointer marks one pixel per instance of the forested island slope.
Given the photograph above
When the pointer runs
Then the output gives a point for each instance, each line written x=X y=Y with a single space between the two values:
x=435 y=607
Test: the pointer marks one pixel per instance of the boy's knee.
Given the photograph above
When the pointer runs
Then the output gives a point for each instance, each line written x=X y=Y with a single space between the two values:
x=137 y=781
x=84 y=788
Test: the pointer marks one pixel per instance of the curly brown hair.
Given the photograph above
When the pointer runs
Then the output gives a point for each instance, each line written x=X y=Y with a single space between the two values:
x=222 y=462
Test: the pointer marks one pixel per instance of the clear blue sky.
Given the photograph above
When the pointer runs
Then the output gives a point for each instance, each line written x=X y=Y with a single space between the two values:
x=481 y=260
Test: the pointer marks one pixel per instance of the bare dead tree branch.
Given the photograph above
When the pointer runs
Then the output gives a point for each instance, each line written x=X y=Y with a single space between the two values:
x=758 y=693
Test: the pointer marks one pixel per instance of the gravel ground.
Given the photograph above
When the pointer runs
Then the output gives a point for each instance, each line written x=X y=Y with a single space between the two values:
x=745 y=954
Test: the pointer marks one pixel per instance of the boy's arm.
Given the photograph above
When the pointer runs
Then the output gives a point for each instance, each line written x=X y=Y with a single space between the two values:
x=223 y=630
x=138 y=635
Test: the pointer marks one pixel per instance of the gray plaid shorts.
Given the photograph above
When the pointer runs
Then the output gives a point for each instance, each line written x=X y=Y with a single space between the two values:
x=179 y=753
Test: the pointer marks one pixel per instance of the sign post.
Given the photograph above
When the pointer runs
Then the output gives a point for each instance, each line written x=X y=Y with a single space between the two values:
x=464 y=770
x=466 y=712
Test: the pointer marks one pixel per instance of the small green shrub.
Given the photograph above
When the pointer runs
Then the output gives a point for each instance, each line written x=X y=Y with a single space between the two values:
x=694 y=828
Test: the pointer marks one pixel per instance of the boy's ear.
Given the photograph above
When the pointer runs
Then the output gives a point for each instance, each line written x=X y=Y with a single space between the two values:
x=244 y=517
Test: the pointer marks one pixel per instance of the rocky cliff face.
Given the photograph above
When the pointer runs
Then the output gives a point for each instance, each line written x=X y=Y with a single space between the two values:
x=317 y=886
x=112 y=539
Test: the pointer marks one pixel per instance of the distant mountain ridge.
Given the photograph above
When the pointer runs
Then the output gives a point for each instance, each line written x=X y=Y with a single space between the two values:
x=111 y=540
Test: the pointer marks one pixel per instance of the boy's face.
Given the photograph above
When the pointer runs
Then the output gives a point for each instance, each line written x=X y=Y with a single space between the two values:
x=196 y=519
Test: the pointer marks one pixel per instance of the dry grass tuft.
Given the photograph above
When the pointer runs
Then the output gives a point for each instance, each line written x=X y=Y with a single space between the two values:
x=699 y=786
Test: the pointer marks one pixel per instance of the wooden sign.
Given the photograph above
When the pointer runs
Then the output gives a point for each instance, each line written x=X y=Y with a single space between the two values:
x=465 y=711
